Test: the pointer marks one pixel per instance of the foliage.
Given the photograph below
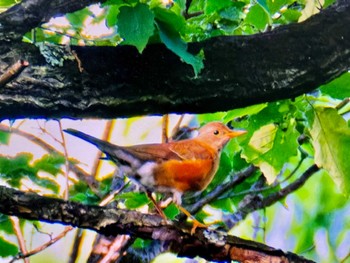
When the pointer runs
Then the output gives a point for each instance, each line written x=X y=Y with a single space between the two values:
x=284 y=138
x=174 y=24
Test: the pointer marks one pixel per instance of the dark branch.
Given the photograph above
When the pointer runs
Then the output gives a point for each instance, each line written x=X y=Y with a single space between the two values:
x=209 y=244
x=239 y=71
x=28 y=14
x=255 y=202
x=217 y=192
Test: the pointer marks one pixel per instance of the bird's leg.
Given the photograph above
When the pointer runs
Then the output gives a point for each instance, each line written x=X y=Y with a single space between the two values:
x=159 y=210
x=196 y=223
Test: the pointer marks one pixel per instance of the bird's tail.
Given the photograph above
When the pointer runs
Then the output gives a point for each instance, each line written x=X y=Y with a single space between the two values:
x=113 y=152
x=104 y=146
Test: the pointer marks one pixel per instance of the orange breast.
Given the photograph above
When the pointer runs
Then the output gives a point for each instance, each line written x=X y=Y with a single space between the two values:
x=185 y=175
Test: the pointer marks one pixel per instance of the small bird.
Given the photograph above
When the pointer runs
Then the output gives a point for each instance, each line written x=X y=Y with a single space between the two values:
x=175 y=167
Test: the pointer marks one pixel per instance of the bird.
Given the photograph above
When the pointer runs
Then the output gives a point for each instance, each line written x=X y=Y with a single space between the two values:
x=175 y=167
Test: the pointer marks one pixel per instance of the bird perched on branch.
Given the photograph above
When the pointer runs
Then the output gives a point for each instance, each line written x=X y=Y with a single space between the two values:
x=175 y=167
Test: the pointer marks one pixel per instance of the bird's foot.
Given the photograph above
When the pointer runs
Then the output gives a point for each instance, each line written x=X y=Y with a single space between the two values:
x=196 y=223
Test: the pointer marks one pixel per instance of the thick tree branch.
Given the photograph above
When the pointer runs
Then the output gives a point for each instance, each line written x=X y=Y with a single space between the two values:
x=239 y=71
x=212 y=245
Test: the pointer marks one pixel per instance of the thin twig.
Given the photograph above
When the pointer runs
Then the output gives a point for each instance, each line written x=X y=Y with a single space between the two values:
x=342 y=104
x=115 y=249
x=345 y=258
x=63 y=143
x=107 y=132
x=13 y=71
x=44 y=246
x=17 y=229
x=165 y=127
x=177 y=126
x=254 y=190
x=75 y=248
x=82 y=175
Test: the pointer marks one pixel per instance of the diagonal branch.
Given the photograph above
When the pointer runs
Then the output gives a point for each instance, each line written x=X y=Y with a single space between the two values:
x=209 y=244
x=255 y=202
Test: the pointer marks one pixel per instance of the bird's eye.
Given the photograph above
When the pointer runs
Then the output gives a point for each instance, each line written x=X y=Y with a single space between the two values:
x=216 y=132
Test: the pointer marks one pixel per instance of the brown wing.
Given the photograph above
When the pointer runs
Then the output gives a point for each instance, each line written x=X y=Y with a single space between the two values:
x=152 y=152
x=192 y=149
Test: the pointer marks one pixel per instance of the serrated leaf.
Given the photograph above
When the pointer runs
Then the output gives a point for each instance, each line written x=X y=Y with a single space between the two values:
x=250 y=110
x=15 y=168
x=173 y=41
x=258 y=17
x=339 y=88
x=331 y=140
x=270 y=148
x=50 y=163
x=7 y=249
x=134 y=200
x=136 y=25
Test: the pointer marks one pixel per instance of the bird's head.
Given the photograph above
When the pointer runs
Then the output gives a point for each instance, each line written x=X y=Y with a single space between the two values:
x=216 y=134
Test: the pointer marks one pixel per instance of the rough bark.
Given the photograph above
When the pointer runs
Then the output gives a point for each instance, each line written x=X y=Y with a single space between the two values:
x=209 y=244
x=239 y=71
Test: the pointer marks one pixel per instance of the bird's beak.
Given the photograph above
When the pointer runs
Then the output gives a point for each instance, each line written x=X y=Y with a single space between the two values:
x=236 y=133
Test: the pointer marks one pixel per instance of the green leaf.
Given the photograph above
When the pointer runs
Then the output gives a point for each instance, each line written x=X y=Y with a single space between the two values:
x=5 y=224
x=171 y=211
x=77 y=18
x=15 y=168
x=7 y=249
x=331 y=140
x=136 y=25
x=250 y=110
x=50 y=163
x=258 y=18
x=224 y=169
x=215 y=5
x=140 y=243
x=4 y=137
x=291 y=15
x=175 y=22
x=225 y=204
x=338 y=88
x=134 y=199
x=173 y=41
x=275 y=5
x=272 y=145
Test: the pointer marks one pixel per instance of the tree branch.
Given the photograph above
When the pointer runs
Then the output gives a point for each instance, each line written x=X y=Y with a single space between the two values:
x=80 y=173
x=239 y=71
x=209 y=244
x=28 y=14
x=255 y=202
